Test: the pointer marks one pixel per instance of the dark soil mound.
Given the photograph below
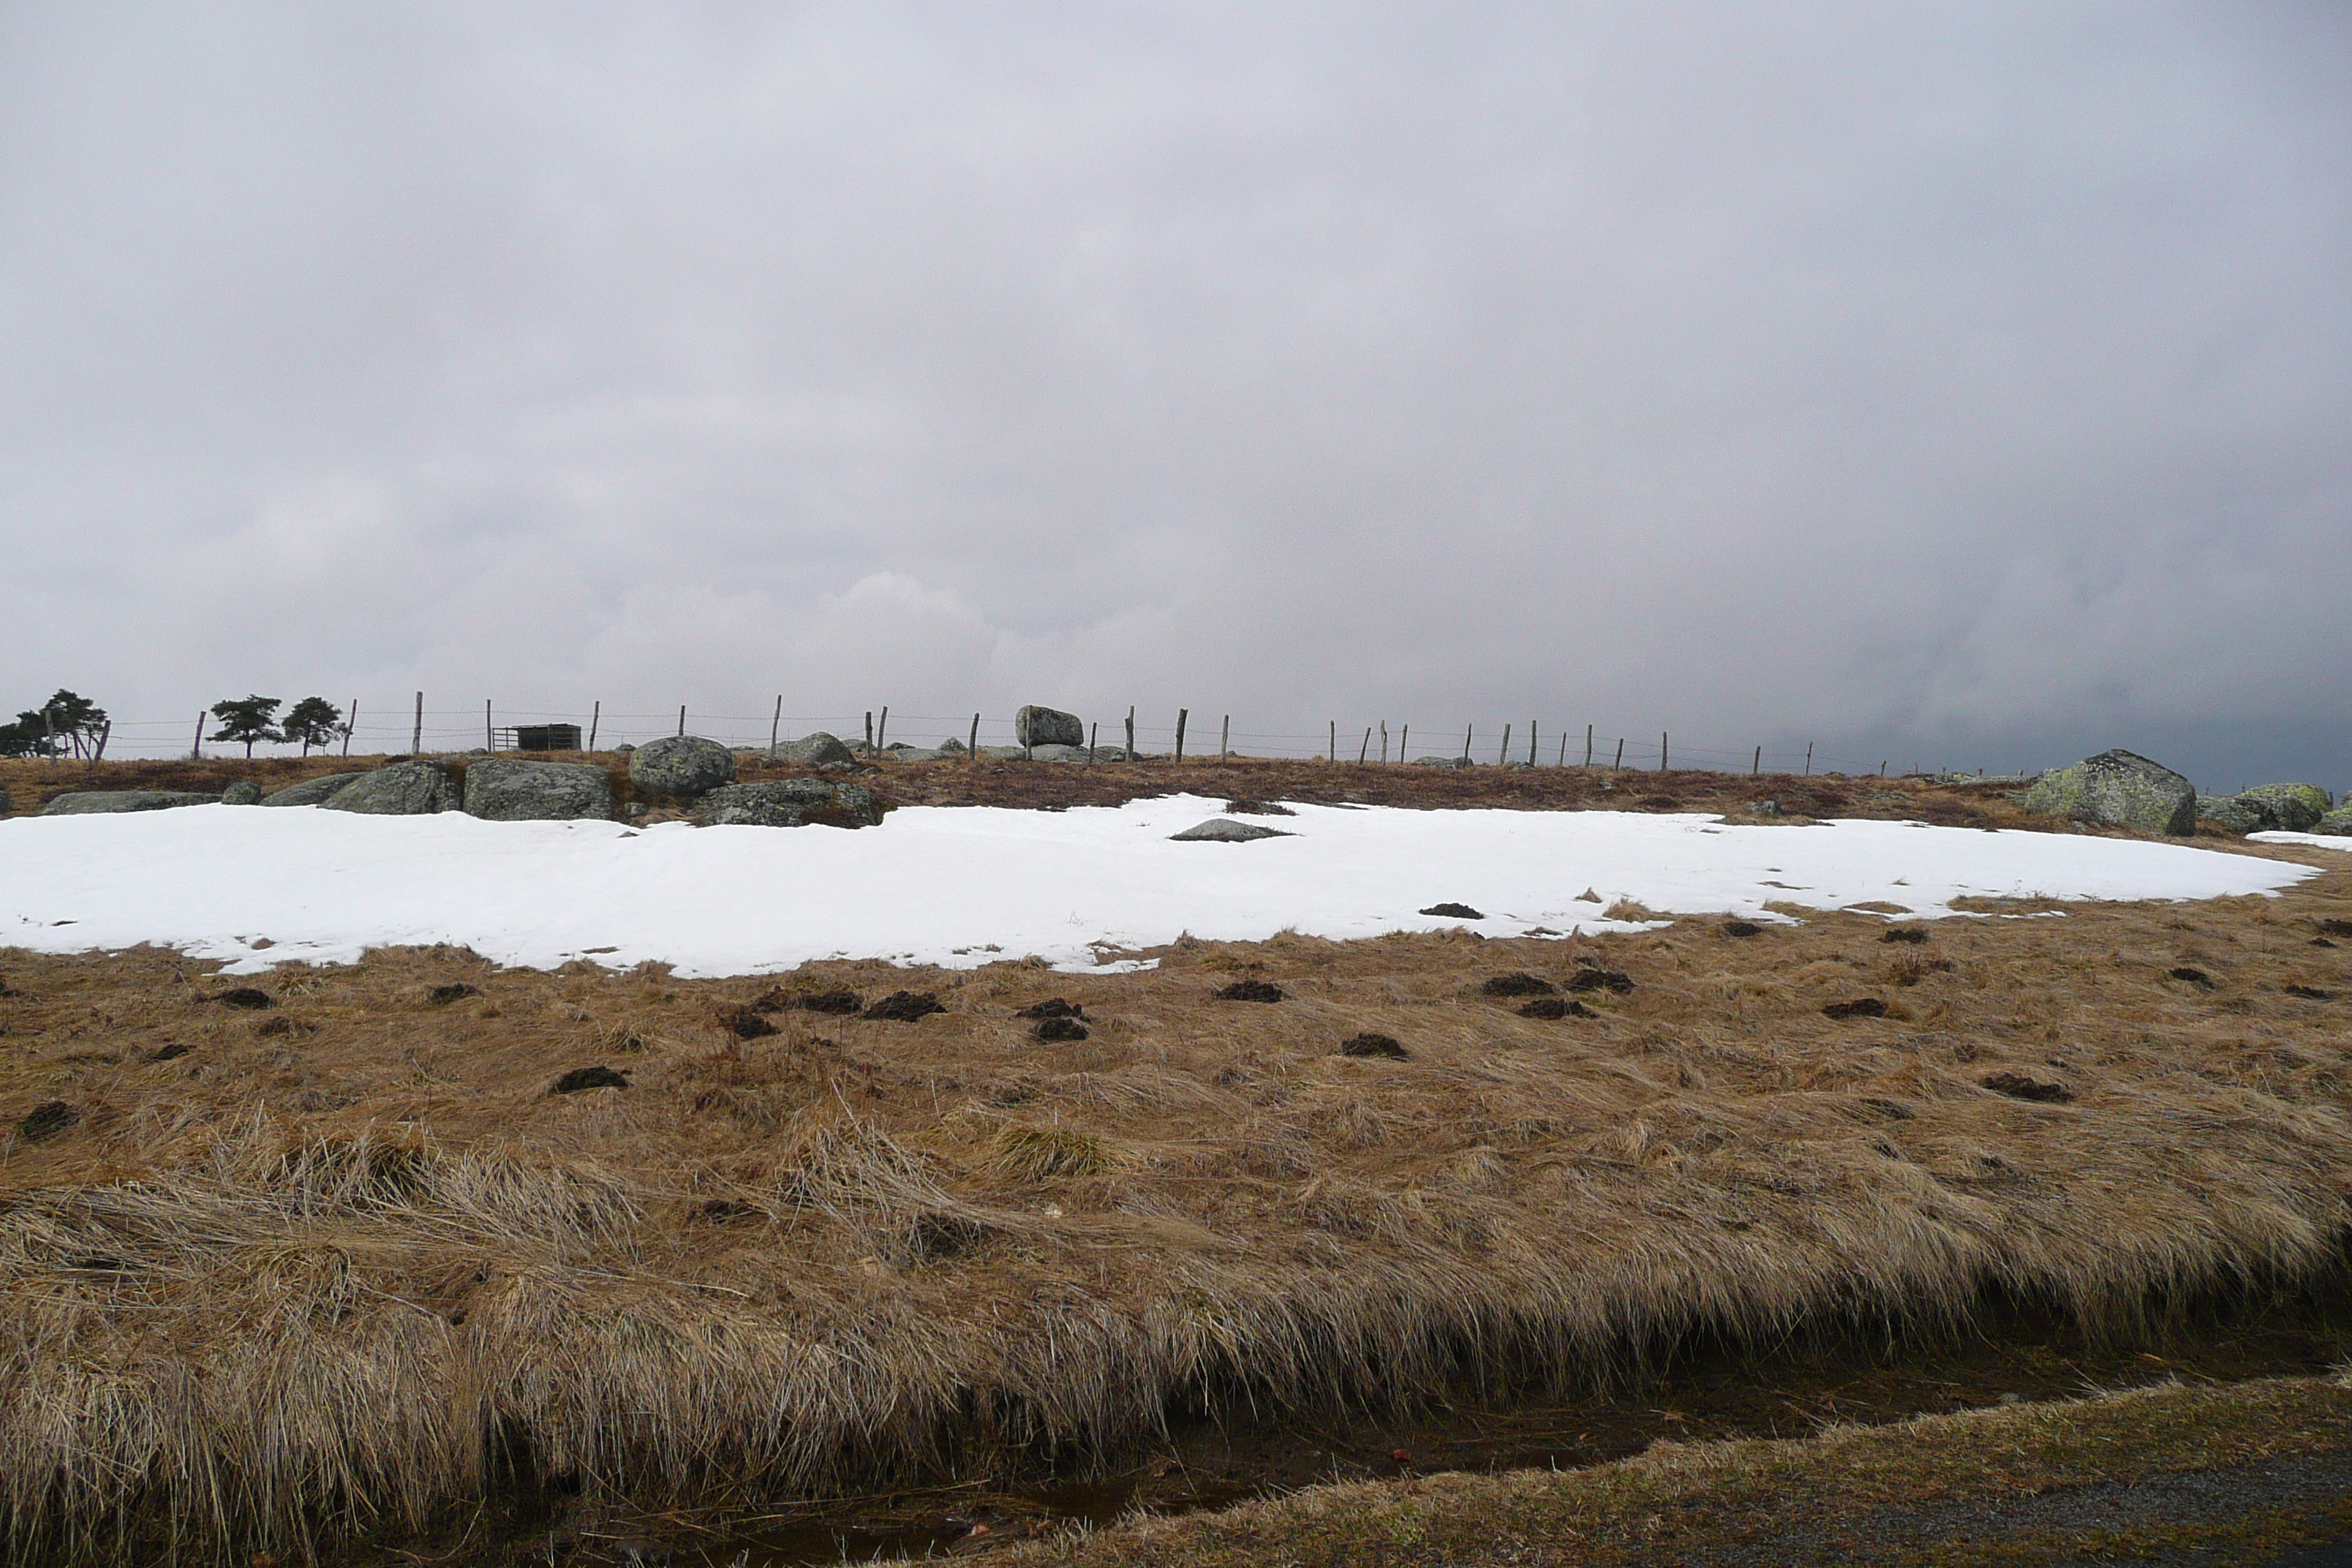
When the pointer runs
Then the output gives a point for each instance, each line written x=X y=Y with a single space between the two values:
x=2193 y=977
x=841 y=1003
x=598 y=1077
x=442 y=994
x=246 y=996
x=745 y=1023
x=1585 y=980
x=1860 y=1008
x=904 y=1006
x=1453 y=913
x=1741 y=928
x=1520 y=983
x=1906 y=933
x=2336 y=928
x=1249 y=991
x=2311 y=992
x=1381 y=1046
x=2018 y=1087
x=1053 y=1030
x=47 y=1121
x=1554 y=1007
x=1054 y=1009
x=170 y=1053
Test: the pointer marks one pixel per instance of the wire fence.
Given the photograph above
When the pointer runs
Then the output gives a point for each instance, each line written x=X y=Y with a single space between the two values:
x=412 y=728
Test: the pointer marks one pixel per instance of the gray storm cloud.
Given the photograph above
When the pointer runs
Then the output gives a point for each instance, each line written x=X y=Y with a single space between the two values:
x=1967 y=383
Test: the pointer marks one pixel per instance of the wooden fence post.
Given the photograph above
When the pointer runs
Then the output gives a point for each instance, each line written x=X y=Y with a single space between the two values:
x=1809 y=759
x=1334 y=754
x=1181 y=715
x=351 y=723
x=1621 y=755
x=1661 y=751
x=1366 y=748
x=1226 y=739
x=1384 y=743
x=1587 y=745
x=1531 y=743
x=775 y=726
x=972 y=751
x=1404 y=735
x=1093 y=734
x=882 y=731
x=1467 y=729
x=869 y=732
x=1130 y=732
x=196 y=752
x=489 y=736
x=416 y=735
x=681 y=718
x=1563 y=748
x=1503 y=752
x=595 y=717
x=1756 y=768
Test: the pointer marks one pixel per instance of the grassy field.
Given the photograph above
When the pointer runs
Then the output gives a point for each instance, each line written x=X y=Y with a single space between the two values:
x=328 y=1260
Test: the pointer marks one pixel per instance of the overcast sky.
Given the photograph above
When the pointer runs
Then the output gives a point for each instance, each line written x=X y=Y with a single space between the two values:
x=1967 y=383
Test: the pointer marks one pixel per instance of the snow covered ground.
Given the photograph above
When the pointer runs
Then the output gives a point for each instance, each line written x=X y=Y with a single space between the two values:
x=2308 y=840
x=963 y=886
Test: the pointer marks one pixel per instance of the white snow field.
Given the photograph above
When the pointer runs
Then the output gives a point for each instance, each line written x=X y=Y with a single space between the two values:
x=963 y=886
x=2308 y=840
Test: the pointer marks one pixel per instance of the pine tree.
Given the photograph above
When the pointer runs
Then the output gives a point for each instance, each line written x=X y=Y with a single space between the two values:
x=249 y=721
x=313 y=721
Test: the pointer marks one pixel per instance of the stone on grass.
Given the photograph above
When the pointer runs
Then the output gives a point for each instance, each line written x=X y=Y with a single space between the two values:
x=2239 y=816
x=400 y=789
x=789 y=803
x=1225 y=830
x=98 y=802
x=2117 y=789
x=1442 y=762
x=813 y=749
x=507 y=789
x=310 y=792
x=680 y=767
x=1056 y=752
x=1035 y=726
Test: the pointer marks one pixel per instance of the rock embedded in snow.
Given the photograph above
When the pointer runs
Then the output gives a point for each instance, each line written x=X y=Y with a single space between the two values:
x=310 y=792
x=2117 y=789
x=814 y=750
x=508 y=789
x=1225 y=830
x=101 y=801
x=244 y=791
x=1035 y=726
x=789 y=803
x=401 y=789
x=680 y=767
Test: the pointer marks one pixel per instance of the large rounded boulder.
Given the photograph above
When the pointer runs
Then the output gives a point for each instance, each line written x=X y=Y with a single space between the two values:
x=1035 y=726
x=2117 y=789
x=507 y=789
x=102 y=802
x=815 y=750
x=2235 y=813
x=398 y=789
x=2336 y=824
x=680 y=767
x=2290 y=807
x=789 y=803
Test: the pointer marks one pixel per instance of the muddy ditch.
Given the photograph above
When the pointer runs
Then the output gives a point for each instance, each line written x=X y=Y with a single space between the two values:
x=1696 y=1391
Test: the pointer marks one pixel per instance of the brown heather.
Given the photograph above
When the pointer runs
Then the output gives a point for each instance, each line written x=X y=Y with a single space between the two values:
x=345 y=1264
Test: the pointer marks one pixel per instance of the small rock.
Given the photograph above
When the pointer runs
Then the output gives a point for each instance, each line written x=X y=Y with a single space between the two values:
x=1442 y=762
x=1861 y=1008
x=813 y=749
x=1453 y=913
x=1225 y=830
x=680 y=767
x=905 y=1006
x=244 y=792
x=310 y=792
x=1370 y=1045
x=47 y=1121
x=1034 y=726
x=399 y=789
x=1249 y=991
x=597 y=1077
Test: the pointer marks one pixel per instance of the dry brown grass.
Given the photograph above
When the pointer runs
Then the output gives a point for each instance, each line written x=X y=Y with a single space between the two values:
x=340 y=1263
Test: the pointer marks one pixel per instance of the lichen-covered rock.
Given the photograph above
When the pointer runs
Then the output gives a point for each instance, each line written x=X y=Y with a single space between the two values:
x=2336 y=824
x=680 y=767
x=310 y=792
x=1035 y=726
x=98 y=802
x=815 y=750
x=1225 y=830
x=2291 y=808
x=244 y=791
x=398 y=789
x=789 y=803
x=2117 y=789
x=507 y=789
x=2232 y=812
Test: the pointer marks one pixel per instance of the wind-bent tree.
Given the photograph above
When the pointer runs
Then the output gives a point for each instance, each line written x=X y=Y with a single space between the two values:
x=29 y=735
x=313 y=721
x=67 y=722
x=253 y=718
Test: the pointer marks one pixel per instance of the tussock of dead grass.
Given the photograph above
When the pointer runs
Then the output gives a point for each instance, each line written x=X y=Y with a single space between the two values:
x=277 y=1287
